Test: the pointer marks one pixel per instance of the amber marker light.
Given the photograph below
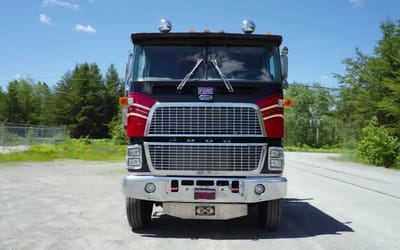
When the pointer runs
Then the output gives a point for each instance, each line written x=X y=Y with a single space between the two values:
x=287 y=102
x=123 y=101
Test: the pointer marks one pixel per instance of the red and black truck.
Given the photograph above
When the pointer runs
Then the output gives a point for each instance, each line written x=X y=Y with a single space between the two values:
x=204 y=115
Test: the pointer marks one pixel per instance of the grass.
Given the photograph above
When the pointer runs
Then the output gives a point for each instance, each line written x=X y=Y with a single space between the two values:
x=82 y=149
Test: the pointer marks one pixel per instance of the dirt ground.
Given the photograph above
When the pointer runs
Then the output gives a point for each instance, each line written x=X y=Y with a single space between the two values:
x=70 y=204
x=64 y=204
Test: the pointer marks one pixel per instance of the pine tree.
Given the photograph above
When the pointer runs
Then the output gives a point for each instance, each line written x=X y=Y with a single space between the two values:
x=355 y=106
x=383 y=76
x=3 y=106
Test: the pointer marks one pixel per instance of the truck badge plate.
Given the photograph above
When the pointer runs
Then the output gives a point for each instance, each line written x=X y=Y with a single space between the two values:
x=205 y=93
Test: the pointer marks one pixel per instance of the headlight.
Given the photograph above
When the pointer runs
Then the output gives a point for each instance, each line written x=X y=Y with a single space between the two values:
x=133 y=162
x=276 y=153
x=134 y=152
x=276 y=163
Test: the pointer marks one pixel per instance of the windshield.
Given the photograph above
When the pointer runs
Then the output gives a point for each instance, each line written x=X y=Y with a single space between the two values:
x=156 y=62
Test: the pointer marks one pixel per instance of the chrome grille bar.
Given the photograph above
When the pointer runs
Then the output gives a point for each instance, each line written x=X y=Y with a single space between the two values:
x=205 y=158
x=205 y=119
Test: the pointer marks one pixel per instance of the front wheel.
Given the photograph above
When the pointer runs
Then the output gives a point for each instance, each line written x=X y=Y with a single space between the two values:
x=270 y=214
x=138 y=212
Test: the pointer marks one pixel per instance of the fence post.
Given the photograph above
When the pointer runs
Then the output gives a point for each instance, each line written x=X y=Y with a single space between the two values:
x=4 y=133
x=3 y=139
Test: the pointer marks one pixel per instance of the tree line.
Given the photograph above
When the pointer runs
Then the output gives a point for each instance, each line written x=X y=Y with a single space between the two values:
x=362 y=114
x=84 y=100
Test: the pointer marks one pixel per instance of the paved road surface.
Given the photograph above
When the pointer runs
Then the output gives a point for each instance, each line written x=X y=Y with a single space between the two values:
x=79 y=205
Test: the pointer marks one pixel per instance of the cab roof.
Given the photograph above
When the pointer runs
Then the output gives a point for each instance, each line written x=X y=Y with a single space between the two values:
x=206 y=38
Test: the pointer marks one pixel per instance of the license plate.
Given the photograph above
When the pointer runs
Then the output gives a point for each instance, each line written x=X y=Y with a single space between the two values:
x=204 y=194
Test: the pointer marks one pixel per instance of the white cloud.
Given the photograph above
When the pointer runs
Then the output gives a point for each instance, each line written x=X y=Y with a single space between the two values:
x=45 y=19
x=357 y=3
x=85 y=28
x=92 y=1
x=325 y=77
x=60 y=3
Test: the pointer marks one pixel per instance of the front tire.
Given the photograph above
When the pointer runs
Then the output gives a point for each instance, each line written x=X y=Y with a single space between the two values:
x=270 y=214
x=138 y=212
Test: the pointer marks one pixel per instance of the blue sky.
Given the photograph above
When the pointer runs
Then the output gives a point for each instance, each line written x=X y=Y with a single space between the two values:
x=43 y=39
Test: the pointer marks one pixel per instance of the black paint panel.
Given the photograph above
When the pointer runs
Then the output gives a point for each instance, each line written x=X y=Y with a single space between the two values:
x=244 y=91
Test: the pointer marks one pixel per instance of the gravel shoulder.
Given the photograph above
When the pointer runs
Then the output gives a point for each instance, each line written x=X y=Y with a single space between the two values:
x=13 y=149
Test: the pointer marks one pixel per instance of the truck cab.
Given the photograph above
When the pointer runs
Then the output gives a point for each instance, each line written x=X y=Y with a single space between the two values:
x=203 y=112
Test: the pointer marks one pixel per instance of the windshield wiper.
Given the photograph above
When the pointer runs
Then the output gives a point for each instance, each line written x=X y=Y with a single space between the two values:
x=223 y=78
x=188 y=75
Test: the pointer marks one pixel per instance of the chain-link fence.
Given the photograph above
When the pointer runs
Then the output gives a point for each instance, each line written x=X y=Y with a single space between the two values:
x=20 y=136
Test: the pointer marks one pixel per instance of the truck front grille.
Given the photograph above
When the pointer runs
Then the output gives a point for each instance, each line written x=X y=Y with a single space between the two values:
x=205 y=158
x=204 y=119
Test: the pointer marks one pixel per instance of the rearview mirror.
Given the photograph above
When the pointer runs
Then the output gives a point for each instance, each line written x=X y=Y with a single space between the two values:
x=284 y=66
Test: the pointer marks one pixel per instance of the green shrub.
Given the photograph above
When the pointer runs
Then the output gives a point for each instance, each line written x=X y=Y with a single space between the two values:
x=43 y=149
x=117 y=132
x=90 y=149
x=398 y=161
x=377 y=146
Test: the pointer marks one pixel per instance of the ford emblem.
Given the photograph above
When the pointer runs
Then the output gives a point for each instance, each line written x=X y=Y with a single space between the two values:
x=205 y=97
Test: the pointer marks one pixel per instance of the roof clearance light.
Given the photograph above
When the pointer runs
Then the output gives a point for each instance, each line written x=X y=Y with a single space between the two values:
x=248 y=26
x=165 y=26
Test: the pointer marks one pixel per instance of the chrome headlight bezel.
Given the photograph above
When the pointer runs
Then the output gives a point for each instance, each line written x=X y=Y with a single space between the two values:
x=134 y=157
x=275 y=158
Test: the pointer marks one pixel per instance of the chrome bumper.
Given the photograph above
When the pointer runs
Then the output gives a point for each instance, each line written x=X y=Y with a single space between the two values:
x=134 y=187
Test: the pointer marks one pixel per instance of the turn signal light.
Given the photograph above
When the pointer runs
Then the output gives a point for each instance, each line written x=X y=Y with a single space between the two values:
x=287 y=102
x=123 y=101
